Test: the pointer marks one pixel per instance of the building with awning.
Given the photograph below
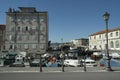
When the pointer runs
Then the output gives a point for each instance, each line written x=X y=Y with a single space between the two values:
x=97 y=40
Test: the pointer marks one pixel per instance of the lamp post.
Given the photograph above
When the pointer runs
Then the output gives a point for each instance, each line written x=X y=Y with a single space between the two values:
x=40 y=58
x=63 y=55
x=85 y=63
x=40 y=63
x=106 y=18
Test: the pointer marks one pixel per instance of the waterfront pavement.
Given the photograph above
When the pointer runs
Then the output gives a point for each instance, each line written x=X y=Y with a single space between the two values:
x=56 y=69
x=60 y=76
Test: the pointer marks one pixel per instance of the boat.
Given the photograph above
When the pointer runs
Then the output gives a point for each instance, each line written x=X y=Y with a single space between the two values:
x=56 y=63
x=113 y=62
x=80 y=63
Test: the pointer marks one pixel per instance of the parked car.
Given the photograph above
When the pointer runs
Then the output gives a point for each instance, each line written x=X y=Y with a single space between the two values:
x=72 y=62
x=36 y=63
x=17 y=64
x=90 y=63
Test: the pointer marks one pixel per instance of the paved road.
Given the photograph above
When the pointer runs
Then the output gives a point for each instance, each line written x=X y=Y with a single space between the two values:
x=61 y=76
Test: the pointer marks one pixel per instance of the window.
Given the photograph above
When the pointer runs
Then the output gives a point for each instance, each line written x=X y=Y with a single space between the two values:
x=11 y=47
x=117 y=44
x=116 y=33
x=26 y=20
x=105 y=35
x=10 y=37
x=33 y=37
x=12 y=19
x=26 y=28
x=100 y=47
x=42 y=38
x=94 y=37
x=90 y=46
x=3 y=47
x=18 y=29
x=19 y=20
x=34 y=46
x=111 y=44
x=42 y=28
x=22 y=46
x=34 y=20
x=19 y=37
x=42 y=20
x=111 y=34
x=18 y=46
x=34 y=27
x=12 y=29
x=100 y=36
x=42 y=46
x=95 y=47
x=26 y=37
x=26 y=46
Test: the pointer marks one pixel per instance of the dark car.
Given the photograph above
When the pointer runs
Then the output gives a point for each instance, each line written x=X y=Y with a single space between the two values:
x=36 y=63
x=17 y=64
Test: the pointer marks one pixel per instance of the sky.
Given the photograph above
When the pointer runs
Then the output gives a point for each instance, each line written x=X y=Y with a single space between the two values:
x=70 y=19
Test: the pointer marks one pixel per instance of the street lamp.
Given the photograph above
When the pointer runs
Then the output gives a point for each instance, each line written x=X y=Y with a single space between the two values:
x=40 y=58
x=63 y=55
x=106 y=18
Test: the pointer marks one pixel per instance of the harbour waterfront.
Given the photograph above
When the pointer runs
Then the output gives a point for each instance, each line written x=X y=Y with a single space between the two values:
x=115 y=64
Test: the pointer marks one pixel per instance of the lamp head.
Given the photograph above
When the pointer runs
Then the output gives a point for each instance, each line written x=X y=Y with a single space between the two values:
x=106 y=16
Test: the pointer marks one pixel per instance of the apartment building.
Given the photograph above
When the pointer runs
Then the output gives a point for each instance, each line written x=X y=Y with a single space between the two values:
x=97 y=41
x=26 y=30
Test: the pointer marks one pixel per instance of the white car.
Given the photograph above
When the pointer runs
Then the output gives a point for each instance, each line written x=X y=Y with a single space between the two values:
x=72 y=62
x=90 y=63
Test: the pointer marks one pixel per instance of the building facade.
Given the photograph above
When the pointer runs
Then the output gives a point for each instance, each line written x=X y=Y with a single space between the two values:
x=82 y=42
x=26 y=30
x=2 y=38
x=97 y=41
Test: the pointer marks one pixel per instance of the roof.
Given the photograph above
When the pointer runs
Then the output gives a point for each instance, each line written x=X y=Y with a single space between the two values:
x=104 y=31
x=26 y=7
x=82 y=39
x=2 y=26
x=25 y=10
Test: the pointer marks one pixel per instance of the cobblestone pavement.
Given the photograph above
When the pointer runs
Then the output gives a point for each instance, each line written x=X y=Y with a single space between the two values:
x=54 y=69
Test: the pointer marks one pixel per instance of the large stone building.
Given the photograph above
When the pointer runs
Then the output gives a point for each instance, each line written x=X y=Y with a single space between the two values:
x=81 y=42
x=26 y=30
x=2 y=37
x=97 y=41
